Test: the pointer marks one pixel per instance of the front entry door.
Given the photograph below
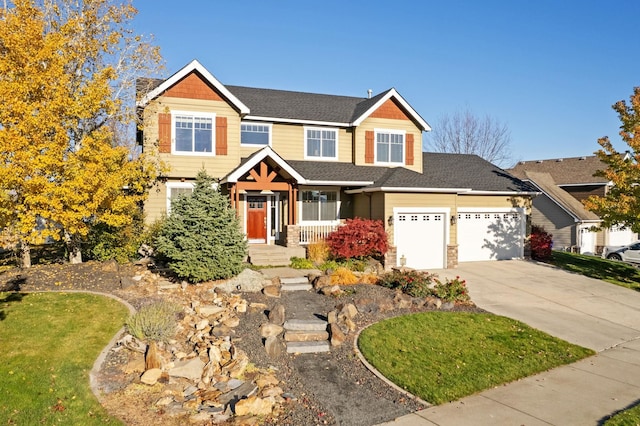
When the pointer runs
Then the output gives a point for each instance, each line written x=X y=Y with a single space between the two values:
x=257 y=219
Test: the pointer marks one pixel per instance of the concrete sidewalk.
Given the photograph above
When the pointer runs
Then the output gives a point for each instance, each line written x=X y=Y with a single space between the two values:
x=584 y=311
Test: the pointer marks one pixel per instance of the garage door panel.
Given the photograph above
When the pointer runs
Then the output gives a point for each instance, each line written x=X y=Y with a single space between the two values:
x=490 y=236
x=420 y=238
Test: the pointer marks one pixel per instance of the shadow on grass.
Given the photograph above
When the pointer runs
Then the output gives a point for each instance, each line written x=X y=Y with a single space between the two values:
x=630 y=421
x=594 y=267
x=6 y=299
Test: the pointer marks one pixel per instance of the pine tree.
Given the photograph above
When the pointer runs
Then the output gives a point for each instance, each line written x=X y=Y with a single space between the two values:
x=201 y=238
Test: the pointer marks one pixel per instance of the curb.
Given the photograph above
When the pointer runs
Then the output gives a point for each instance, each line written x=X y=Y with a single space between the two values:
x=380 y=375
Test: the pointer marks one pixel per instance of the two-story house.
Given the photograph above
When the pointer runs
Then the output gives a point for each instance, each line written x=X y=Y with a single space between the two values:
x=564 y=183
x=294 y=165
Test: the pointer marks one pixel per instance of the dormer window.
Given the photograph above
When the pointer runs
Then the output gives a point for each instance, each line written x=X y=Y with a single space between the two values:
x=321 y=143
x=254 y=134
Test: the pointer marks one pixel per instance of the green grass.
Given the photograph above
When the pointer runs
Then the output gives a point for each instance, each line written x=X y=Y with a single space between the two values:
x=613 y=272
x=49 y=343
x=629 y=417
x=444 y=356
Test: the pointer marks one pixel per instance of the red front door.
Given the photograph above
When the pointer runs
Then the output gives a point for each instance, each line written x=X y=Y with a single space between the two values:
x=257 y=219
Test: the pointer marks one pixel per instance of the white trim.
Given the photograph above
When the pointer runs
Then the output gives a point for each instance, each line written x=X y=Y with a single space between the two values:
x=390 y=132
x=320 y=157
x=260 y=155
x=175 y=185
x=298 y=121
x=252 y=145
x=193 y=114
x=584 y=184
x=519 y=210
x=407 y=189
x=446 y=211
x=339 y=183
x=474 y=192
x=393 y=93
x=190 y=67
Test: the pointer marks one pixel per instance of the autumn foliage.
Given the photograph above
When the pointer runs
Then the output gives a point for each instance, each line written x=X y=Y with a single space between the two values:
x=358 y=238
x=541 y=243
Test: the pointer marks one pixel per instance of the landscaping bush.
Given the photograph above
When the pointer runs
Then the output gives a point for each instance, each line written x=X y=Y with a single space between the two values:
x=452 y=290
x=411 y=282
x=318 y=252
x=541 y=243
x=358 y=238
x=301 y=263
x=330 y=264
x=106 y=242
x=343 y=276
x=202 y=238
x=155 y=322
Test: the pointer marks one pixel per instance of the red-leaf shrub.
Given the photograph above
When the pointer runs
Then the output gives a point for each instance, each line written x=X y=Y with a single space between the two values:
x=541 y=243
x=358 y=238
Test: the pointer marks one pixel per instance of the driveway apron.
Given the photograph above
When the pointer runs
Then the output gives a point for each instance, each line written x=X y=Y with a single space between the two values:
x=580 y=310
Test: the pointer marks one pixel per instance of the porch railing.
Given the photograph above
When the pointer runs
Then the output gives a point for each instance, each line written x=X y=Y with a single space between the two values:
x=312 y=233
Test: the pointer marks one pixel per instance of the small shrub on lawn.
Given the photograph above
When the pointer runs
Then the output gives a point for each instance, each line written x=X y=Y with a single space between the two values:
x=343 y=276
x=358 y=238
x=541 y=243
x=452 y=290
x=301 y=263
x=155 y=322
x=318 y=252
x=413 y=283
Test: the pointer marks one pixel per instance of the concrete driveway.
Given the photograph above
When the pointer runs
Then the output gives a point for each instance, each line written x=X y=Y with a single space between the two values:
x=581 y=310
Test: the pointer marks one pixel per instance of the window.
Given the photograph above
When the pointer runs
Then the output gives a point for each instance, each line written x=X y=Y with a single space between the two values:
x=255 y=134
x=176 y=189
x=319 y=205
x=389 y=147
x=321 y=143
x=193 y=133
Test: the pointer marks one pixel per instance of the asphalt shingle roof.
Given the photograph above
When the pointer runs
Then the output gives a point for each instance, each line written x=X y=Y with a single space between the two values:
x=564 y=171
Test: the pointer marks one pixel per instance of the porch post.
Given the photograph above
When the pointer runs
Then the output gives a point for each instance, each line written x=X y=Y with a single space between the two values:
x=237 y=197
x=290 y=218
x=295 y=203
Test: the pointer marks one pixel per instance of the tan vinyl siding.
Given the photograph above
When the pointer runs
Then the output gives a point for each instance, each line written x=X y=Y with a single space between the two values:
x=494 y=201
x=385 y=123
x=188 y=165
x=555 y=221
x=156 y=205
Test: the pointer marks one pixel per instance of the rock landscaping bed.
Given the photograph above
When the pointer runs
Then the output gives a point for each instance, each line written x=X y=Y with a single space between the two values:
x=218 y=370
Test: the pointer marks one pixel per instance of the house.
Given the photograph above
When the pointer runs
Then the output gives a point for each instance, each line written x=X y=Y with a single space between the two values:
x=295 y=165
x=564 y=183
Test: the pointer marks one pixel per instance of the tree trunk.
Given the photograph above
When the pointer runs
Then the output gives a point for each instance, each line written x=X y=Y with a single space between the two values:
x=25 y=254
x=73 y=248
x=151 y=358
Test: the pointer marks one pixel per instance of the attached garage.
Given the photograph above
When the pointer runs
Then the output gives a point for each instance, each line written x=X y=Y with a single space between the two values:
x=490 y=234
x=421 y=237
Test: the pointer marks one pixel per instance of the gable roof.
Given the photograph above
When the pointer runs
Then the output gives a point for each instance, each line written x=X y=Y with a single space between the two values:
x=565 y=171
x=545 y=182
x=283 y=105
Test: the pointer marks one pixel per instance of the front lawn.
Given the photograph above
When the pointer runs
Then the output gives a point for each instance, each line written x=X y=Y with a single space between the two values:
x=444 y=356
x=613 y=272
x=629 y=417
x=49 y=343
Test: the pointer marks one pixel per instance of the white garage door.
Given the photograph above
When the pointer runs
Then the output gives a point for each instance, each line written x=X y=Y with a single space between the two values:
x=485 y=235
x=620 y=237
x=420 y=238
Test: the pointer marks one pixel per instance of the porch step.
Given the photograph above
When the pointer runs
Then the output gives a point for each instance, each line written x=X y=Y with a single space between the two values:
x=273 y=255
x=296 y=287
x=306 y=325
x=308 y=347
x=305 y=336
x=294 y=280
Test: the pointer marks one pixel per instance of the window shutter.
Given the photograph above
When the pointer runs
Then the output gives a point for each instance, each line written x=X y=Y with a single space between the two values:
x=164 y=133
x=221 y=135
x=409 y=150
x=369 y=147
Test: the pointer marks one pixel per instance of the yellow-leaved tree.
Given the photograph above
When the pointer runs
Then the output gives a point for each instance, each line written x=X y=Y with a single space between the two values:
x=621 y=204
x=67 y=121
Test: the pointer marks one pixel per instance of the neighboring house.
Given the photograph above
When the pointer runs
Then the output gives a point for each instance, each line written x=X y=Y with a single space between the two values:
x=297 y=164
x=564 y=183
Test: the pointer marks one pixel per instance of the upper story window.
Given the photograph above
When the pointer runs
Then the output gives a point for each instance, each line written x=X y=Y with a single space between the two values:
x=193 y=133
x=321 y=143
x=389 y=146
x=255 y=134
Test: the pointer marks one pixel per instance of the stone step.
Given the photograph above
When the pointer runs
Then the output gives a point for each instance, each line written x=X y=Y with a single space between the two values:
x=296 y=287
x=294 y=280
x=308 y=347
x=270 y=261
x=305 y=336
x=306 y=325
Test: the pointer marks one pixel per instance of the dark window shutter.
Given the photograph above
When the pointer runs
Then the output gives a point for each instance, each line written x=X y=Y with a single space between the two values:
x=164 y=133
x=369 y=147
x=221 y=135
x=409 y=150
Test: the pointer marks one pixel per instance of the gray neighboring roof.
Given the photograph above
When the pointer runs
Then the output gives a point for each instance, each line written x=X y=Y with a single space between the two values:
x=545 y=182
x=565 y=171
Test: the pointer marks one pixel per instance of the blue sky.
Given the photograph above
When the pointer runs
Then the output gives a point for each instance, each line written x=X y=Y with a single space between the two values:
x=549 y=69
